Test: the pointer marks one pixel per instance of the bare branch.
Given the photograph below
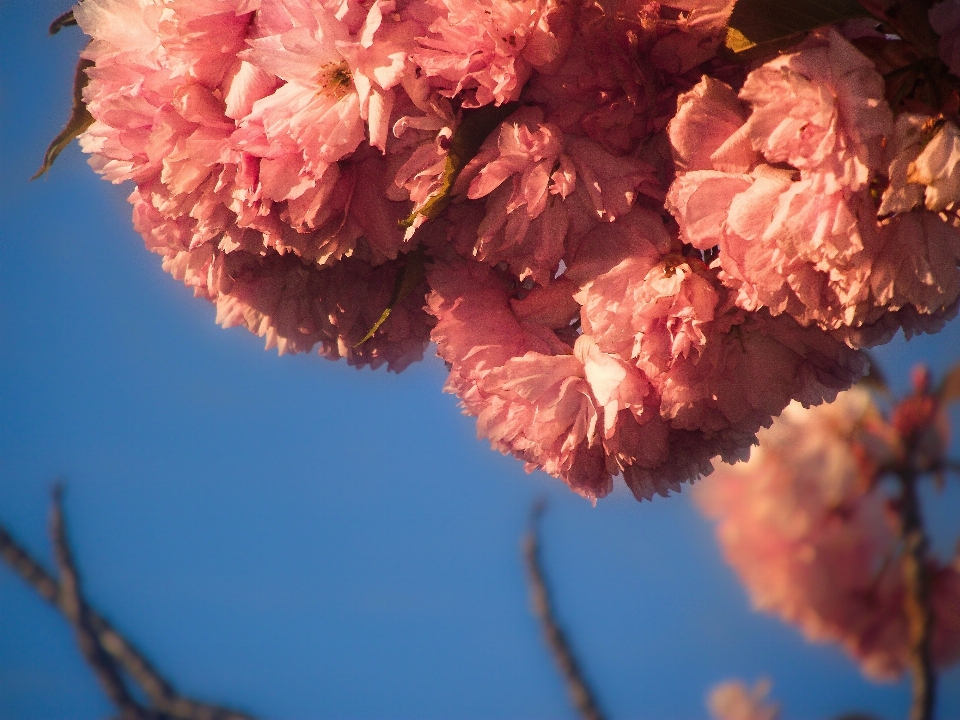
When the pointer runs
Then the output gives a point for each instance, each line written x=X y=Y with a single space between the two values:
x=166 y=701
x=72 y=605
x=917 y=603
x=580 y=693
x=28 y=568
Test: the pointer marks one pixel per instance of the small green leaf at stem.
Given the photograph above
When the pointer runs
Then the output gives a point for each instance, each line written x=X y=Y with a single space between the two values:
x=80 y=119
x=408 y=278
x=757 y=24
x=65 y=20
x=474 y=128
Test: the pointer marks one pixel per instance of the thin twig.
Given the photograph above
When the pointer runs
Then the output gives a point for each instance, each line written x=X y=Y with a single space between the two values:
x=155 y=687
x=74 y=608
x=161 y=694
x=28 y=568
x=917 y=602
x=580 y=693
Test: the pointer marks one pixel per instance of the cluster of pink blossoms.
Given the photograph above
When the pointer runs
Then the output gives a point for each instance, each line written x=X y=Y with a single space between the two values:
x=631 y=252
x=809 y=528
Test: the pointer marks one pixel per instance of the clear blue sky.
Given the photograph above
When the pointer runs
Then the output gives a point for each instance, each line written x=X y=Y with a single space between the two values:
x=302 y=540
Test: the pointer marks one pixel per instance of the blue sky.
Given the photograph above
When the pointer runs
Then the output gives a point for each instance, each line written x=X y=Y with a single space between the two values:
x=304 y=540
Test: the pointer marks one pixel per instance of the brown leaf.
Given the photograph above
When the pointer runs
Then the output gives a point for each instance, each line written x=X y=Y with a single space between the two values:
x=65 y=20
x=80 y=119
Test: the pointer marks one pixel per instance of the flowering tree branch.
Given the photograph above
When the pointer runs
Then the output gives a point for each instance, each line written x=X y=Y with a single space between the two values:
x=105 y=649
x=825 y=527
x=916 y=419
x=580 y=694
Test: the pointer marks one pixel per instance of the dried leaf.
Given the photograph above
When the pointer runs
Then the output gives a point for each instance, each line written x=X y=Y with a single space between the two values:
x=950 y=387
x=80 y=119
x=408 y=278
x=65 y=20
x=773 y=23
x=474 y=128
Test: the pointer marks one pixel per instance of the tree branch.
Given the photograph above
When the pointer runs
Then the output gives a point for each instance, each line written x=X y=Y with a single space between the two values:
x=72 y=604
x=579 y=691
x=167 y=704
x=917 y=601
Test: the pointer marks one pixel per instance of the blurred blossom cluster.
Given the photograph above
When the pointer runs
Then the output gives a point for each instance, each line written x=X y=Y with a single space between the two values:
x=813 y=528
x=631 y=250
x=733 y=700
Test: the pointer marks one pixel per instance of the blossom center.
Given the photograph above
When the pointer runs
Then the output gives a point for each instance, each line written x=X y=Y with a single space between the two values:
x=334 y=79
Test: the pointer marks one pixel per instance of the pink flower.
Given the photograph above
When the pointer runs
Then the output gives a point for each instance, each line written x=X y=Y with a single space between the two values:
x=522 y=171
x=704 y=131
x=526 y=388
x=917 y=264
x=911 y=133
x=812 y=540
x=296 y=307
x=484 y=51
x=717 y=371
x=807 y=240
x=693 y=37
x=822 y=109
x=339 y=79
x=619 y=81
x=937 y=168
x=290 y=157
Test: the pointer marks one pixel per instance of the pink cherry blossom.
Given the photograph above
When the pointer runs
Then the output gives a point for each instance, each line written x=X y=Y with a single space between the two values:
x=809 y=240
x=525 y=175
x=814 y=542
x=485 y=51
x=820 y=109
x=298 y=163
x=295 y=307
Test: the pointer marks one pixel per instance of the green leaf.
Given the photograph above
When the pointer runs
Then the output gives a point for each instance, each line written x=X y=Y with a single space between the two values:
x=950 y=387
x=475 y=126
x=772 y=24
x=65 y=20
x=80 y=119
x=408 y=278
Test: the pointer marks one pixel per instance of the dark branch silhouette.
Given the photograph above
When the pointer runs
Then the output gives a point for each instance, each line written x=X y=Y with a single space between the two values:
x=580 y=694
x=65 y=20
x=72 y=605
x=109 y=654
